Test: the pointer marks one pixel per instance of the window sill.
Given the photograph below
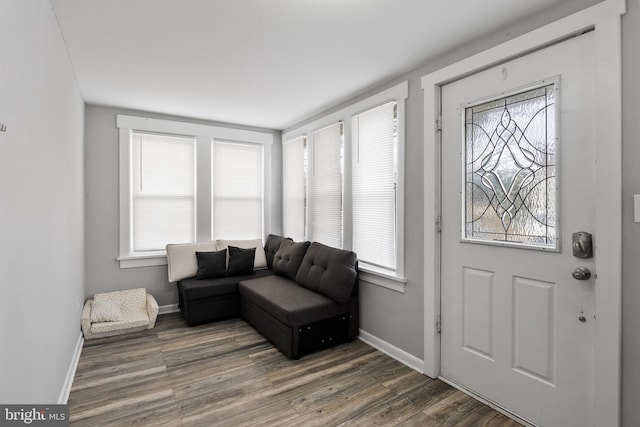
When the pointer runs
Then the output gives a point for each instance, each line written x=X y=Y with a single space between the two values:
x=149 y=260
x=384 y=280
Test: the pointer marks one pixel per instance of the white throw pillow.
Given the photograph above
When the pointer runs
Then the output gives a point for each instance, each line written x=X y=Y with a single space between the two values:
x=260 y=260
x=182 y=261
x=106 y=311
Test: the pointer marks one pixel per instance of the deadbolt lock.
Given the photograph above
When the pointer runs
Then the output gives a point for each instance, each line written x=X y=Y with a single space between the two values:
x=582 y=245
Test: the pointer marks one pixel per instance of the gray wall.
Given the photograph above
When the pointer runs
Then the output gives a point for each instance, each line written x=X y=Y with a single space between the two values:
x=630 y=230
x=41 y=205
x=43 y=232
x=391 y=316
x=102 y=200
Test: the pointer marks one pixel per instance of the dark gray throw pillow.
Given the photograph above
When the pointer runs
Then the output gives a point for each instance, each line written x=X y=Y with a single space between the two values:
x=241 y=261
x=287 y=259
x=211 y=264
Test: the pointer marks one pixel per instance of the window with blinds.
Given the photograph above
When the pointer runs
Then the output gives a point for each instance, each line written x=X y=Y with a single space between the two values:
x=163 y=190
x=237 y=189
x=294 y=197
x=374 y=183
x=182 y=182
x=355 y=183
x=326 y=186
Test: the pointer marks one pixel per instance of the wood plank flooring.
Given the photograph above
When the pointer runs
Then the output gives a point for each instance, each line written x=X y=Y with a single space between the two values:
x=227 y=374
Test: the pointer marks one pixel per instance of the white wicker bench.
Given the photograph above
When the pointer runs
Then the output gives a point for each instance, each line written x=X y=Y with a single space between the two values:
x=119 y=312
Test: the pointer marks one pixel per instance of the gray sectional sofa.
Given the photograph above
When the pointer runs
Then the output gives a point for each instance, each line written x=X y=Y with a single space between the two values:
x=304 y=300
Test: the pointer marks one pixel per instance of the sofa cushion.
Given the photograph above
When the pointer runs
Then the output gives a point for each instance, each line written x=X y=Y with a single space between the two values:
x=240 y=261
x=211 y=264
x=193 y=289
x=132 y=319
x=291 y=304
x=131 y=300
x=328 y=271
x=260 y=259
x=106 y=311
x=181 y=259
x=287 y=259
x=272 y=246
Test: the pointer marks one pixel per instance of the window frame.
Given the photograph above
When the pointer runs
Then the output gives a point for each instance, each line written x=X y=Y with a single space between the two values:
x=399 y=93
x=204 y=135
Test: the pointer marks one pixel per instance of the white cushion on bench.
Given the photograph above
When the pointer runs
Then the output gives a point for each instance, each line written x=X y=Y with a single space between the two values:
x=130 y=319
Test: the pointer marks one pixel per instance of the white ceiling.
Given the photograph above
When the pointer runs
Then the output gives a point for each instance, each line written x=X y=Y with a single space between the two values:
x=267 y=63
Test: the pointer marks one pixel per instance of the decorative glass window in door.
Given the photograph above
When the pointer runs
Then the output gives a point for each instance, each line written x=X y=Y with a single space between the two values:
x=510 y=160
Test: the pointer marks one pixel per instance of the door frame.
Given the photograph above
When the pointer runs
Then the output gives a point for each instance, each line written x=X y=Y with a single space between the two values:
x=605 y=19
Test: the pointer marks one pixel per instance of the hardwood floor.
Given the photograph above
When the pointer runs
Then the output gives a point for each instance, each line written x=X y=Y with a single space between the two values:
x=227 y=374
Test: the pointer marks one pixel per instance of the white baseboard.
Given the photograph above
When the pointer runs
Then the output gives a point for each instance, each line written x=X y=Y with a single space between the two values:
x=170 y=308
x=71 y=373
x=392 y=351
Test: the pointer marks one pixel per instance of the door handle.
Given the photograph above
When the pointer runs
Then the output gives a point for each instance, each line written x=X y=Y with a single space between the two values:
x=581 y=273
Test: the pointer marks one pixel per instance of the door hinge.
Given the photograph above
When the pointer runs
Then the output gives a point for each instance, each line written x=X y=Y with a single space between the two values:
x=439 y=224
x=438 y=324
x=439 y=122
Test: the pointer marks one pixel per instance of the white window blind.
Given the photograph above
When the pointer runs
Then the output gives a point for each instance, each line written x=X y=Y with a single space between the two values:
x=294 y=188
x=374 y=171
x=237 y=191
x=326 y=186
x=163 y=196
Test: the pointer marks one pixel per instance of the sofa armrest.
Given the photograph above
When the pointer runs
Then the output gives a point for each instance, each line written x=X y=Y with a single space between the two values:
x=85 y=320
x=152 y=310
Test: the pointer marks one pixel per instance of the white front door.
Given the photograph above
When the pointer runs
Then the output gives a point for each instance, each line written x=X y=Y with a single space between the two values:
x=517 y=182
